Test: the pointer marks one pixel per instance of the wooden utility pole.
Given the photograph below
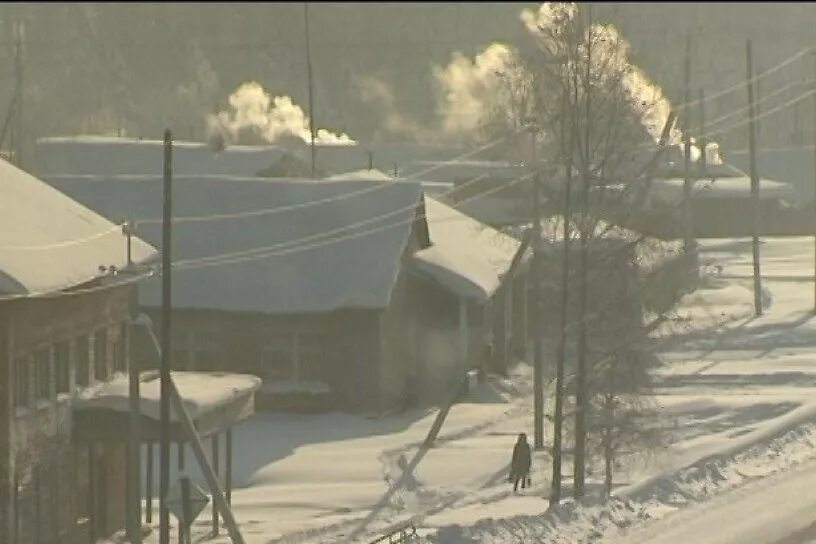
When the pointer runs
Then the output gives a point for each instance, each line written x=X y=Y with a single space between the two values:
x=309 y=81
x=538 y=380
x=754 y=181
x=702 y=171
x=18 y=95
x=164 y=407
x=688 y=227
x=814 y=177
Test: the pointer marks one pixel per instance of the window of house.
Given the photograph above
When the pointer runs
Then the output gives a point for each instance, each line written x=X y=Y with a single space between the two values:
x=277 y=360
x=181 y=356
x=475 y=315
x=22 y=394
x=119 y=362
x=206 y=351
x=62 y=367
x=310 y=356
x=42 y=362
x=101 y=354
x=296 y=357
x=83 y=361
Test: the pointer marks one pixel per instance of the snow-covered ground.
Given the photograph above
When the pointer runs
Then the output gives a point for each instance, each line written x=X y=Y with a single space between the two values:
x=736 y=393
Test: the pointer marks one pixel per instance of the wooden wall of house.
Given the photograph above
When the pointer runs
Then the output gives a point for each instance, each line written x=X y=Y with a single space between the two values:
x=42 y=493
x=436 y=336
x=210 y=340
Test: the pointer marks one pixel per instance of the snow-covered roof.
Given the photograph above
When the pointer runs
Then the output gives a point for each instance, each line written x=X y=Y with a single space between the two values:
x=367 y=175
x=104 y=155
x=201 y=393
x=450 y=228
x=466 y=256
x=355 y=265
x=671 y=190
x=462 y=273
x=49 y=242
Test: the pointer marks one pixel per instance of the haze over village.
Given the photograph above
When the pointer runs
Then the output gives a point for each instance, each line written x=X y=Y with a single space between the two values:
x=305 y=273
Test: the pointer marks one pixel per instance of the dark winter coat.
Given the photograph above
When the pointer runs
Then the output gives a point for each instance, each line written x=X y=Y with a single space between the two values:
x=520 y=465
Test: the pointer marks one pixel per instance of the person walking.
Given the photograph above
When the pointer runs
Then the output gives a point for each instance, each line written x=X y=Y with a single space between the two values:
x=520 y=464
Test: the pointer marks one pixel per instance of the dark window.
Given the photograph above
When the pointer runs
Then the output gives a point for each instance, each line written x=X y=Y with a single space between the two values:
x=179 y=359
x=206 y=351
x=277 y=361
x=119 y=355
x=101 y=355
x=21 y=382
x=475 y=315
x=43 y=373
x=310 y=356
x=62 y=367
x=83 y=361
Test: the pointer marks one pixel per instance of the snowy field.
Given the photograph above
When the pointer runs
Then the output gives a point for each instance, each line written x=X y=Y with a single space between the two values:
x=737 y=395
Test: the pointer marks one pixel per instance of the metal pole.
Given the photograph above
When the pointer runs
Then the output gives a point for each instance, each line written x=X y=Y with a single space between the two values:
x=228 y=475
x=164 y=453
x=185 y=524
x=309 y=78
x=183 y=528
x=538 y=380
x=149 y=484
x=215 y=465
x=688 y=228
x=754 y=183
x=18 y=71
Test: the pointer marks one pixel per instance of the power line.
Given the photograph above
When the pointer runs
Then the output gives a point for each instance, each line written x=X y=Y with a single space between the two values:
x=741 y=84
x=788 y=104
x=65 y=243
x=75 y=292
x=310 y=203
x=217 y=260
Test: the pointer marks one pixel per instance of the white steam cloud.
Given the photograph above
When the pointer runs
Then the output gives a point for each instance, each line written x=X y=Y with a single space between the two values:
x=255 y=116
x=379 y=94
x=467 y=88
x=552 y=19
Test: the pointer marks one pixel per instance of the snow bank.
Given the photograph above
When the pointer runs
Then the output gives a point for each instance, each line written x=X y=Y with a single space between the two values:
x=593 y=521
x=202 y=392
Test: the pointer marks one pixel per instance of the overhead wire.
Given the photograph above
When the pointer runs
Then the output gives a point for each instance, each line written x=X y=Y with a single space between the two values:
x=292 y=246
x=66 y=243
x=335 y=198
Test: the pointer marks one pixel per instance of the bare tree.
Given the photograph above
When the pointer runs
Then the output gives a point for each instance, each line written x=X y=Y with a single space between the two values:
x=601 y=120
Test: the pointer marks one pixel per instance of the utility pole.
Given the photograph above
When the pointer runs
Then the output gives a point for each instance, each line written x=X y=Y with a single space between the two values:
x=702 y=171
x=754 y=182
x=164 y=407
x=538 y=380
x=309 y=81
x=558 y=416
x=688 y=228
x=134 y=502
x=581 y=396
x=814 y=176
x=18 y=95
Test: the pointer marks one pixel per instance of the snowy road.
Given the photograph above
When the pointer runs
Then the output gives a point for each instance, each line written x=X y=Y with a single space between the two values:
x=780 y=509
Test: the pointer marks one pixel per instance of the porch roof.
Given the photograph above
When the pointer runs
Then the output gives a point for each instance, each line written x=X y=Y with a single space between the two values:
x=214 y=400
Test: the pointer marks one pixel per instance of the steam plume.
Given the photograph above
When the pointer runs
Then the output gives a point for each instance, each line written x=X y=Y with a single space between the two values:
x=466 y=88
x=256 y=117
